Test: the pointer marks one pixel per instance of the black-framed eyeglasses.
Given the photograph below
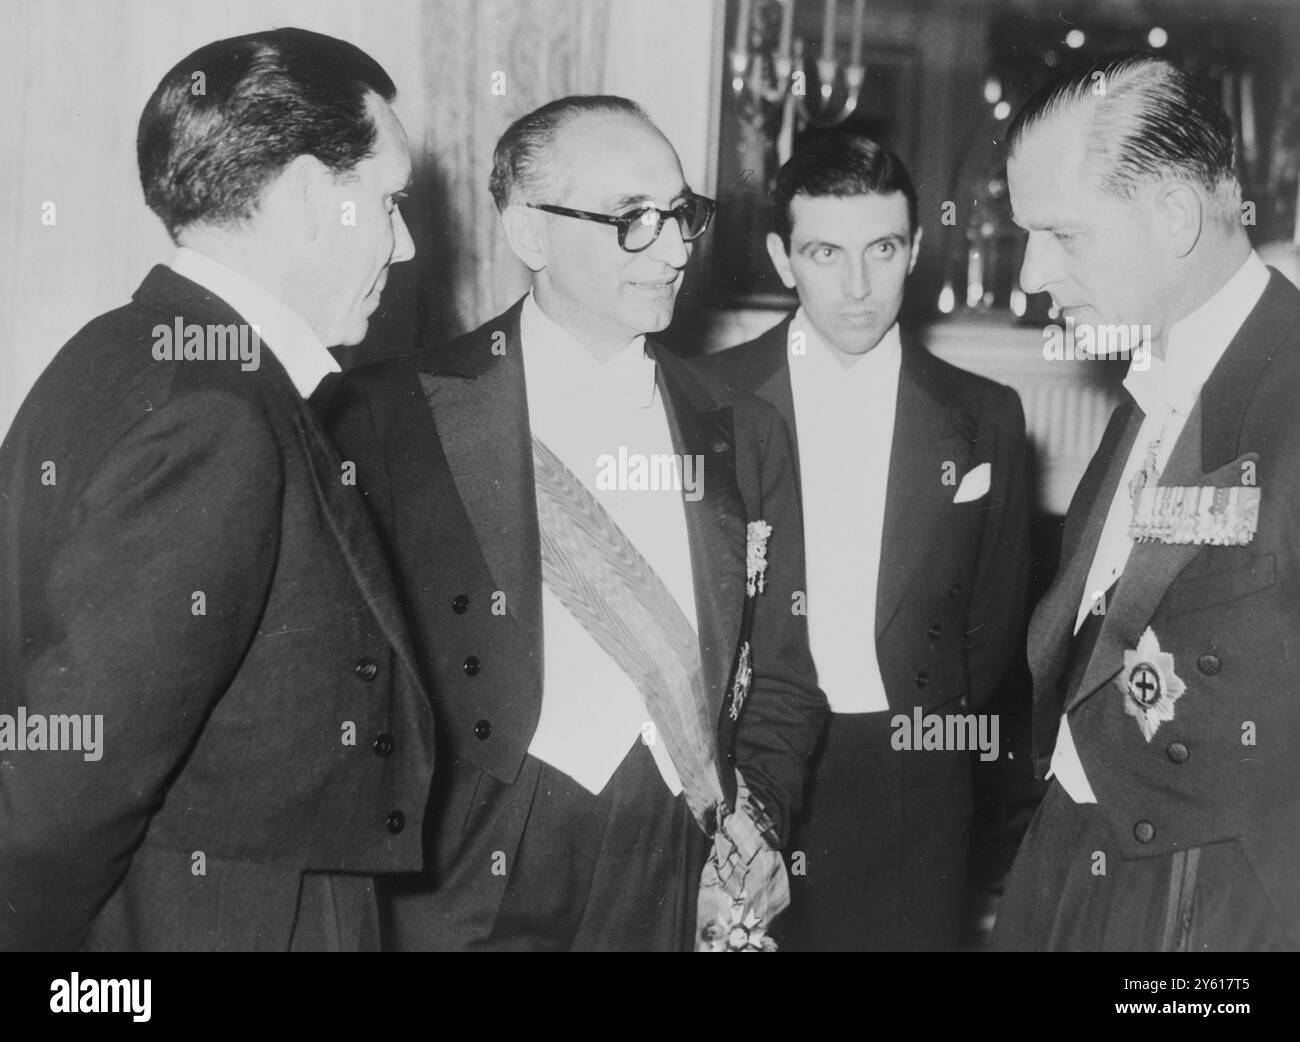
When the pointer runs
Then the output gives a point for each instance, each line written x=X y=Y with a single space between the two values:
x=638 y=229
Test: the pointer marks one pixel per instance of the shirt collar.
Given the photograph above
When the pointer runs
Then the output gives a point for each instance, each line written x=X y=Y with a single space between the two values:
x=1196 y=343
x=869 y=366
x=558 y=367
x=294 y=343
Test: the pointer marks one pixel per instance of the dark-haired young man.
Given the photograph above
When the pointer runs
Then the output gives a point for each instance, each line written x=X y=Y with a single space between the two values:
x=609 y=681
x=212 y=732
x=912 y=482
x=1165 y=655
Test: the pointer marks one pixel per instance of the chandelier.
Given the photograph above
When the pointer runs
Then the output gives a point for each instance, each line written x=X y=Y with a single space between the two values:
x=769 y=75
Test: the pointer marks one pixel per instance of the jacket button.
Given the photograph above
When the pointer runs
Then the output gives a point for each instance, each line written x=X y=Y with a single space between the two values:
x=460 y=604
x=934 y=631
x=367 y=669
x=483 y=730
x=922 y=678
x=395 y=822
x=1209 y=664
x=954 y=590
x=472 y=666
x=383 y=744
x=1177 y=752
x=731 y=759
x=1144 y=832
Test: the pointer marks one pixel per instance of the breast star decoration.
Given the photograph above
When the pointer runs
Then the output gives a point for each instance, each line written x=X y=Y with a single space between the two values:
x=1150 y=685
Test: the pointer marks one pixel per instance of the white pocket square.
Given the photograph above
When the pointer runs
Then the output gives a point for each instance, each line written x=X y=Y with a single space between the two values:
x=974 y=485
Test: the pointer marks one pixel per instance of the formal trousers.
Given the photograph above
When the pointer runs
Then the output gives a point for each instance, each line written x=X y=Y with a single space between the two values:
x=336 y=913
x=544 y=865
x=878 y=857
x=1069 y=890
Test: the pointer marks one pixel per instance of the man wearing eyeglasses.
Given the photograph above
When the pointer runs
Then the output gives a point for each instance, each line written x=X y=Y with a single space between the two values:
x=599 y=555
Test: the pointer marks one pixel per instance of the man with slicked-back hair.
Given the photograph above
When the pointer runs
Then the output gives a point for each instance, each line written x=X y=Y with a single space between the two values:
x=1166 y=654
x=187 y=572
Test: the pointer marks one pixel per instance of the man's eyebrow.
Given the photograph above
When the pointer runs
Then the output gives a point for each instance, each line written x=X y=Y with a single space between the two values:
x=623 y=201
x=1050 y=226
x=816 y=244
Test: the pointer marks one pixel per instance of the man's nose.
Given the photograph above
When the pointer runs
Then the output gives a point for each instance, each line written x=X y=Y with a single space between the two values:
x=857 y=280
x=670 y=247
x=1035 y=271
x=403 y=244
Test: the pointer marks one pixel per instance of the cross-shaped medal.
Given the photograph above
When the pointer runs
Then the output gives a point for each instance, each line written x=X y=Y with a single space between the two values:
x=1148 y=475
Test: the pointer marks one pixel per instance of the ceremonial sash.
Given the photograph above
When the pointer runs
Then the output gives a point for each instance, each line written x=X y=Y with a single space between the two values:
x=604 y=582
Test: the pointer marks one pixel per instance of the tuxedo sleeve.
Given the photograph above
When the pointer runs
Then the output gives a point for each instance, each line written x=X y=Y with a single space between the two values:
x=996 y=617
x=784 y=714
x=153 y=594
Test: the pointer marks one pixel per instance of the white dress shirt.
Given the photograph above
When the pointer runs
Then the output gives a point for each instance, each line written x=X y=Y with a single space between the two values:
x=293 y=342
x=844 y=409
x=581 y=409
x=1166 y=394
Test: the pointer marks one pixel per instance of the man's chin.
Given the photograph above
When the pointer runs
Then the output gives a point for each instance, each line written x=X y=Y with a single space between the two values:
x=352 y=334
x=655 y=319
x=856 y=340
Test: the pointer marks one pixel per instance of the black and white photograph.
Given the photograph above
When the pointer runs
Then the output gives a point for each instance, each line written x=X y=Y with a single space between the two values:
x=651 y=476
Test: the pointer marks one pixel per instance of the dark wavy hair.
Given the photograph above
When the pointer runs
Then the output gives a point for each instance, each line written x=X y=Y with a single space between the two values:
x=228 y=118
x=841 y=165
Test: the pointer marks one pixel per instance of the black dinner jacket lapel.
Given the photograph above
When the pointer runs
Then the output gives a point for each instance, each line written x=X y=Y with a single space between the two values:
x=479 y=398
x=1208 y=453
x=475 y=390
x=715 y=523
x=931 y=432
x=1051 y=630
x=767 y=374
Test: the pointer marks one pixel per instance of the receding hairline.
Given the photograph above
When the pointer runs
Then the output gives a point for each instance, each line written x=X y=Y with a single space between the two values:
x=1124 y=105
x=1085 y=110
x=560 y=157
x=1057 y=122
x=1223 y=199
x=583 y=121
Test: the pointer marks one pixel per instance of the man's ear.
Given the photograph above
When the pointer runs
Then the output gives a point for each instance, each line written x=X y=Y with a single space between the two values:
x=523 y=227
x=299 y=199
x=780 y=259
x=1181 y=212
x=916 y=250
